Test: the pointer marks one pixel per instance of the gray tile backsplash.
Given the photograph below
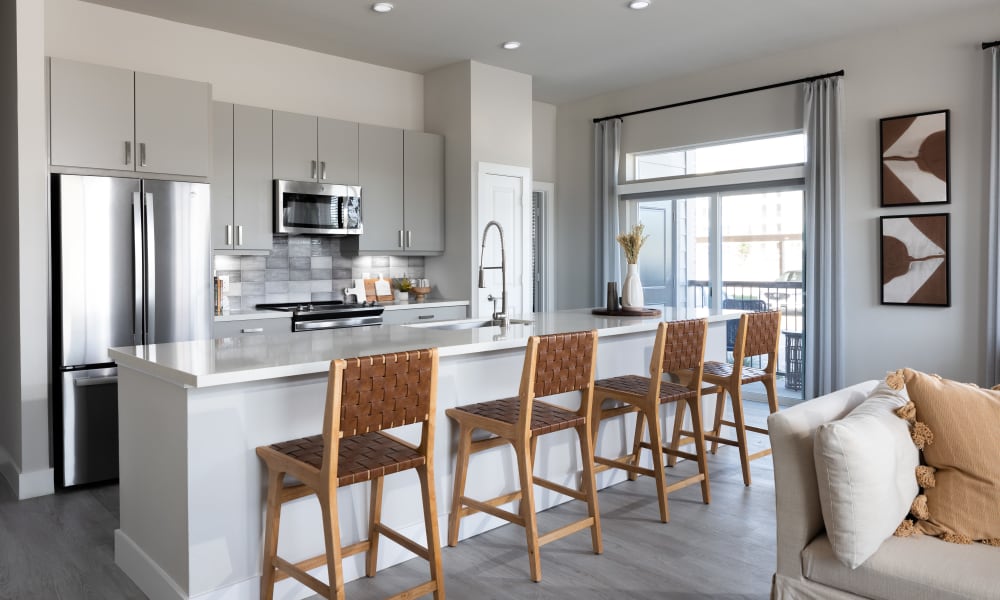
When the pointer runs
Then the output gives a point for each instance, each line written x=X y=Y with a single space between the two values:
x=303 y=268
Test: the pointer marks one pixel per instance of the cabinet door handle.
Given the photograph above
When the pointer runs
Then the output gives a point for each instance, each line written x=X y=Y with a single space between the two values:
x=229 y=235
x=322 y=169
x=128 y=152
x=252 y=330
x=424 y=317
x=239 y=235
x=409 y=238
x=312 y=168
x=142 y=154
x=400 y=238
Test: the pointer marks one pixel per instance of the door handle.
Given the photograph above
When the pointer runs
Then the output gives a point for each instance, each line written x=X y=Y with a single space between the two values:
x=322 y=169
x=252 y=330
x=239 y=235
x=128 y=152
x=312 y=168
x=150 y=268
x=229 y=235
x=142 y=154
x=138 y=326
x=409 y=238
x=400 y=238
x=424 y=317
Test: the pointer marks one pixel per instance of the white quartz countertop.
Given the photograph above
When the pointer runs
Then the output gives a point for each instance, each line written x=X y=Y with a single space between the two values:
x=250 y=313
x=206 y=363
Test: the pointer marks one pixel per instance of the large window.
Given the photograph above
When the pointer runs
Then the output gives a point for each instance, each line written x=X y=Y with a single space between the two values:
x=786 y=149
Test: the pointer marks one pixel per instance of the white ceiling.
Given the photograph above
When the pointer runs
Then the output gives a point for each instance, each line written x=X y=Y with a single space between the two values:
x=573 y=49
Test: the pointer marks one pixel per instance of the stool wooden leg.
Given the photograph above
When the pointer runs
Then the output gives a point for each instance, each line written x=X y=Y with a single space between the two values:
x=331 y=537
x=637 y=443
x=525 y=469
x=699 y=441
x=656 y=447
x=426 y=476
x=374 y=519
x=741 y=433
x=675 y=441
x=590 y=486
x=275 y=482
x=461 y=470
x=720 y=407
x=771 y=385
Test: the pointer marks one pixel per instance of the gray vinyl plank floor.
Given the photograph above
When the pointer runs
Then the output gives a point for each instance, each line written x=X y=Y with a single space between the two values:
x=61 y=546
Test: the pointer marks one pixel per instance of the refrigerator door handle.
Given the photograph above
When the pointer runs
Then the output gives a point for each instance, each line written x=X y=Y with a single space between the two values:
x=138 y=326
x=150 y=268
x=90 y=381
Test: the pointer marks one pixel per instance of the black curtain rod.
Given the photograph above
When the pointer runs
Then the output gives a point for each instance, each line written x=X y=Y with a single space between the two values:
x=839 y=73
x=990 y=44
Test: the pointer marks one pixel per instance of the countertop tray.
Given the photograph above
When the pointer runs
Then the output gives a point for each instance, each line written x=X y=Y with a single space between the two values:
x=628 y=312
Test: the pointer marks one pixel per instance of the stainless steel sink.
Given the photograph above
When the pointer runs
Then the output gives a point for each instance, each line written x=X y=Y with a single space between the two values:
x=467 y=324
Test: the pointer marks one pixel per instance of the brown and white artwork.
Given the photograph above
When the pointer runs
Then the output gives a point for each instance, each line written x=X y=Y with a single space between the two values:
x=915 y=260
x=915 y=159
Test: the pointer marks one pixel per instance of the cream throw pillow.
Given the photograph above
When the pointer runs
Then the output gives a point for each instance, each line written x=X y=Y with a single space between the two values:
x=963 y=505
x=865 y=466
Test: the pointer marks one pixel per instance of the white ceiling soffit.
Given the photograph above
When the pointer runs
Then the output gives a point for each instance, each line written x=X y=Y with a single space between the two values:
x=573 y=49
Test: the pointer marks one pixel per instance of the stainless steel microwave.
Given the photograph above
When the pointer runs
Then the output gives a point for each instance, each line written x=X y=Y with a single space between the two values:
x=316 y=208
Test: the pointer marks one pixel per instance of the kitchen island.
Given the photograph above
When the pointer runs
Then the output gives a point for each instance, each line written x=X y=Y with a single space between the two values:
x=192 y=413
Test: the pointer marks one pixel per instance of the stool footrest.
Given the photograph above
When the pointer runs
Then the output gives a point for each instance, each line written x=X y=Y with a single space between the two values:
x=297 y=571
x=761 y=430
x=558 y=534
x=355 y=548
x=472 y=506
x=760 y=454
x=415 y=592
x=403 y=541
x=555 y=487
x=624 y=463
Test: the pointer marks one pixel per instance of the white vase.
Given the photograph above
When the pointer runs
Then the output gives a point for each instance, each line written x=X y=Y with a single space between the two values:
x=632 y=289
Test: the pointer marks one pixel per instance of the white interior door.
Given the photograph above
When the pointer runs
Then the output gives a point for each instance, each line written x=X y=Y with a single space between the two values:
x=502 y=198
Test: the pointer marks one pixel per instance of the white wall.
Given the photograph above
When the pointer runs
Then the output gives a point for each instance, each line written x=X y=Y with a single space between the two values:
x=543 y=141
x=910 y=68
x=240 y=69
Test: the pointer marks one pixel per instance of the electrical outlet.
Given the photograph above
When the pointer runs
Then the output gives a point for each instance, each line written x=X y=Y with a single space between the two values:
x=225 y=282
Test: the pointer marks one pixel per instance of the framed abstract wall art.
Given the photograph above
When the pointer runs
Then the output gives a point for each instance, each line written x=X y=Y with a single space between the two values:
x=914 y=152
x=915 y=260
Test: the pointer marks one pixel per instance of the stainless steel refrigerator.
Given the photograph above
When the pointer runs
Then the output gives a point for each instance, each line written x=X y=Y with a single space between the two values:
x=132 y=266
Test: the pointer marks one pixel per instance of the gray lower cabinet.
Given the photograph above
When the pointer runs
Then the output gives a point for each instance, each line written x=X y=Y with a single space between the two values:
x=402 y=187
x=309 y=148
x=242 y=205
x=109 y=118
x=420 y=315
x=251 y=327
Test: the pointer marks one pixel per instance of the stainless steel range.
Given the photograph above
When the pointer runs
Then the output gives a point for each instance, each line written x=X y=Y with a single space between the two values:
x=313 y=316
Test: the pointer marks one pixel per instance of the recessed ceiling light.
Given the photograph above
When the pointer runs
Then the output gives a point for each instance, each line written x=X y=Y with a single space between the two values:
x=638 y=4
x=511 y=45
x=382 y=7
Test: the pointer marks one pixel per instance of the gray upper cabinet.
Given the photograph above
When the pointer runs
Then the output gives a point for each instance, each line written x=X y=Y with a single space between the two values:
x=172 y=125
x=108 y=118
x=423 y=191
x=308 y=148
x=241 y=180
x=338 y=151
x=380 y=173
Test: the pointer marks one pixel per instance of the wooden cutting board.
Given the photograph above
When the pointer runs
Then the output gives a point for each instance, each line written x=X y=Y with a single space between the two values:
x=370 y=292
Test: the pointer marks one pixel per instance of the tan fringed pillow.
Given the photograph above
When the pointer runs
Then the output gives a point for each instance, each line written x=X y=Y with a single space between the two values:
x=958 y=427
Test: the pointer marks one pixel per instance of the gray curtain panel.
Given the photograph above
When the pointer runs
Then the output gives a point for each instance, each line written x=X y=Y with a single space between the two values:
x=824 y=216
x=993 y=274
x=607 y=145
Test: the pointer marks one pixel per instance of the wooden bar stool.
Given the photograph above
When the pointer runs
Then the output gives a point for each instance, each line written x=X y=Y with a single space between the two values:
x=679 y=345
x=364 y=396
x=553 y=364
x=757 y=335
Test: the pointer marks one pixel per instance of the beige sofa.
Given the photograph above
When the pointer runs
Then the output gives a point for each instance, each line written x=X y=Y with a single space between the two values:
x=906 y=568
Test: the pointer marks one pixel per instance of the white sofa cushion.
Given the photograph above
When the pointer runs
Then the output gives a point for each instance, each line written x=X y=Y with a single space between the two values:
x=914 y=568
x=865 y=465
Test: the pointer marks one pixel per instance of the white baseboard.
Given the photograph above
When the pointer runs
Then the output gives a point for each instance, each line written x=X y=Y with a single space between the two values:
x=26 y=485
x=151 y=579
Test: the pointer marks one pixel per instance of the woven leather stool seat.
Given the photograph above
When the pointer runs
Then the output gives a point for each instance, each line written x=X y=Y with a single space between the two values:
x=638 y=385
x=364 y=396
x=545 y=418
x=725 y=371
x=553 y=364
x=359 y=458
x=757 y=335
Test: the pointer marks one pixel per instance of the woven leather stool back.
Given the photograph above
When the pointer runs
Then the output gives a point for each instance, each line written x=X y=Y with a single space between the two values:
x=563 y=363
x=385 y=391
x=684 y=347
x=763 y=329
